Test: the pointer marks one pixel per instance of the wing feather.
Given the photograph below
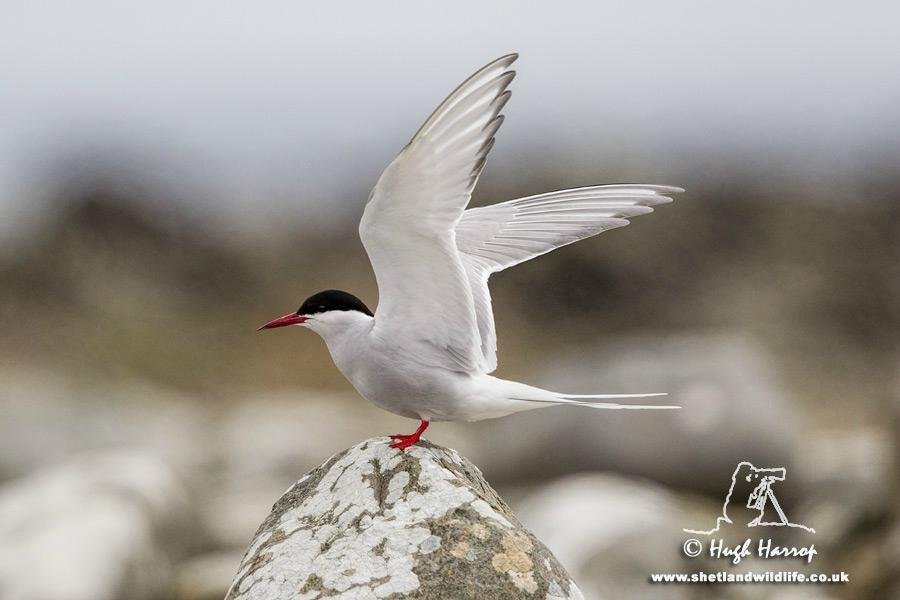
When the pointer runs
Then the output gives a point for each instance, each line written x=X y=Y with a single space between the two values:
x=493 y=238
x=408 y=225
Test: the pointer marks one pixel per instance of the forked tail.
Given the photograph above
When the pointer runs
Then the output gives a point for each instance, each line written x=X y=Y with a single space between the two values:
x=527 y=393
x=585 y=400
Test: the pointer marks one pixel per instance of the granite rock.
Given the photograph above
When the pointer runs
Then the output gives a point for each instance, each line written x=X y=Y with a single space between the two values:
x=375 y=522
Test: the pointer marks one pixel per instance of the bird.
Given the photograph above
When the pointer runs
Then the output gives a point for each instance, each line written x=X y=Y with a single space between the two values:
x=428 y=350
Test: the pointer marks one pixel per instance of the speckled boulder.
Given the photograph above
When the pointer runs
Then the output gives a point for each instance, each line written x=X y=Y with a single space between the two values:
x=374 y=522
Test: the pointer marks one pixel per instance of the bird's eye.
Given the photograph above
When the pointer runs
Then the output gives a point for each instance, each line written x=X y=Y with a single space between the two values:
x=322 y=307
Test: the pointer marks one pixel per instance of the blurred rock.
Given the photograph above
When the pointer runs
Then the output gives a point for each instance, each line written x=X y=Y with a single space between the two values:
x=848 y=478
x=792 y=593
x=374 y=522
x=611 y=533
x=47 y=417
x=99 y=527
x=206 y=577
x=732 y=411
x=894 y=418
x=890 y=574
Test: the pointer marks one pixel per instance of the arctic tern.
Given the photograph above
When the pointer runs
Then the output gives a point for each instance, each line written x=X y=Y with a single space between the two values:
x=427 y=351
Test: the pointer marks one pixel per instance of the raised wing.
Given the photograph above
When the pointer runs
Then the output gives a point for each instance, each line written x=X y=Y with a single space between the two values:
x=408 y=225
x=492 y=238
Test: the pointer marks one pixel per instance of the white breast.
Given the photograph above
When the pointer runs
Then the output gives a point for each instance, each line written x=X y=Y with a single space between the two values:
x=384 y=375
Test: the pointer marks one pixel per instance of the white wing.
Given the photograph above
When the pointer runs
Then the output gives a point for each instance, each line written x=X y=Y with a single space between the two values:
x=492 y=238
x=408 y=225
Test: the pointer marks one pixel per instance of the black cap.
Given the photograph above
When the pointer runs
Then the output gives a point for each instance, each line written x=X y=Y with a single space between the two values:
x=332 y=300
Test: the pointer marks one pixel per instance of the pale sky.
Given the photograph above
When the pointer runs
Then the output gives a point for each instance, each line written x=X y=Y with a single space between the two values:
x=300 y=104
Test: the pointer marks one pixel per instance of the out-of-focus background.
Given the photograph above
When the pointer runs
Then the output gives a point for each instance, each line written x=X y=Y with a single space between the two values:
x=176 y=174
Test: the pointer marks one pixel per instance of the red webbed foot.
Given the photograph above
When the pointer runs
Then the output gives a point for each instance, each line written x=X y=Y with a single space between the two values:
x=405 y=440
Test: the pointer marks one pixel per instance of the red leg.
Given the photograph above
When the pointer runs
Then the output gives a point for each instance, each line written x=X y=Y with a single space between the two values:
x=406 y=440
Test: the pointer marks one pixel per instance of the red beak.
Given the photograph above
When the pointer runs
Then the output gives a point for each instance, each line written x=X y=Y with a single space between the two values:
x=291 y=319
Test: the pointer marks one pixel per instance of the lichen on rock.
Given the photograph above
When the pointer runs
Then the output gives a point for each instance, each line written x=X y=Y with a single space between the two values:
x=374 y=522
